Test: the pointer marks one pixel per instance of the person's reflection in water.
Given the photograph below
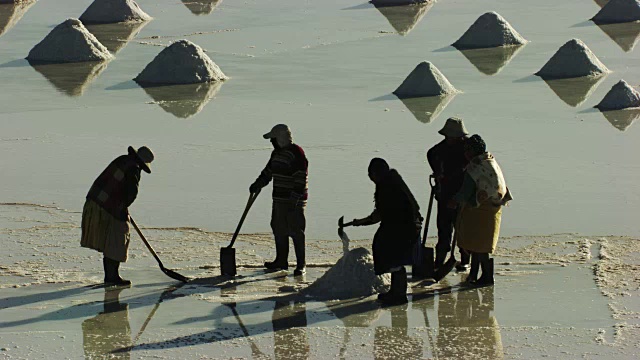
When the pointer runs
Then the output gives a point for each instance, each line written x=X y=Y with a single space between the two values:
x=109 y=330
x=395 y=342
x=290 y=330
x=467 y=328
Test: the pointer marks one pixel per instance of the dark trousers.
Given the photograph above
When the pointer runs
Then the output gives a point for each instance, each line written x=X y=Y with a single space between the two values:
x=446 y=221
x=288 y=221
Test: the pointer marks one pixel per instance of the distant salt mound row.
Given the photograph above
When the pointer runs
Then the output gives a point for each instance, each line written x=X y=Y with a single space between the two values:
x=397 y=2
x=183 y=62
x=573 y=59
x=618 y=11
x=113 y=11
x=621 y=96
x=352 y=276
x=69 y=42
x=489 y=30
x=425 y=80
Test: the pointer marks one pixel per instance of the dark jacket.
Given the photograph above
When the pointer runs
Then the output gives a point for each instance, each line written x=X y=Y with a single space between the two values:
x=116 y=187
x=447 y=163
x=399 y=215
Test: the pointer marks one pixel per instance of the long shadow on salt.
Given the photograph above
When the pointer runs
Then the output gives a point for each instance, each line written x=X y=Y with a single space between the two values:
x=183 y=101
x=625 y=34
x=574 y=91
x=71 y=79
x=491 y=61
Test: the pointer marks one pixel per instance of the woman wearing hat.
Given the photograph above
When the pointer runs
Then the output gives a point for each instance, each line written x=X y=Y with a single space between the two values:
x=480 y=200
x=105 y=213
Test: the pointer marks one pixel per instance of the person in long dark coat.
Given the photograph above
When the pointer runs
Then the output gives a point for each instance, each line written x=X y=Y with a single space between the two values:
x=398 y=213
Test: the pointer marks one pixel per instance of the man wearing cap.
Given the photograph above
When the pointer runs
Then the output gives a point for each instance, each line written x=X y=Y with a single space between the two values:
x=288 y=167
x=447 y=162
x=105 y=214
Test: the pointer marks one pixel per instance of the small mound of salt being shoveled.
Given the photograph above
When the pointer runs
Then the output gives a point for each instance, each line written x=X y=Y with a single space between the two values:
x=397 y=2
x=621 y=96
x=113 y=11
x=69 y=42
x=425 y=80
x=352 y=276
x=618 y=11
x=489 y=30
x=573 y=59
x=182 y=62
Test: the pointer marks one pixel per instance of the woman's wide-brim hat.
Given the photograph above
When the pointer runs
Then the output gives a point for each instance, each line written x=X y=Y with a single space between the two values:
x=454 y=127
x=144 y=156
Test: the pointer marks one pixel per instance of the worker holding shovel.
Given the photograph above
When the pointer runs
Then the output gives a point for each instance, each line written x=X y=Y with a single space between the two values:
x=105 y=214
x=399 y=216
x=288 y=167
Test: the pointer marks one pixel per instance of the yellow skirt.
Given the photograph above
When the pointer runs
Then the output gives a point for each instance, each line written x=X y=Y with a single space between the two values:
x=104 y=233
x=478 y=229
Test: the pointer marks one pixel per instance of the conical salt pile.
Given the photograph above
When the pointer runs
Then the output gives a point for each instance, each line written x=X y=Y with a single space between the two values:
x=573 y=59
x=352 y=276
x=621 y=96
x=183 y=62
x=11 y=13
x=425 y=80
x=618 y=11
x=489 y=30
x=113 y=11
x=69 y=42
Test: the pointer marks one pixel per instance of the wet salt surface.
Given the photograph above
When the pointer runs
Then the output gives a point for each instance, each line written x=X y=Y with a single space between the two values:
x=555 y=296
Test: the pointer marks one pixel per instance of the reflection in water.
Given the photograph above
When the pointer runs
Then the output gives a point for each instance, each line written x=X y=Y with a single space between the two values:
x=10 y=14
x=404 y=18
x=574 y=91
x=395 y=342
x=427 y=109
x=290 y=330
x=183 y=101
x=466 y=326
x=491 y=60
x=602 y=3
x=71 y=79
x=201 y=7
x=116 y=36
x=621 y=119
x=108 y=331
x=625 y=34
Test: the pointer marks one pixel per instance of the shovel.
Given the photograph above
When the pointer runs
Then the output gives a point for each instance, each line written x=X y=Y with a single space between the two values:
x=170 y=273
x=425 y=264
x=228 y=254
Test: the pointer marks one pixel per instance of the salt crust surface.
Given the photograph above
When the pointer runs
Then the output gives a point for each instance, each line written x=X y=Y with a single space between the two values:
x=621 y=96
x=489 y=30
x=113 y=11
x=618 y=11
x=397 y=2
x=425 y=80
x=182 y=62
x=69 y=42
x=573 y=59
x=352 y=276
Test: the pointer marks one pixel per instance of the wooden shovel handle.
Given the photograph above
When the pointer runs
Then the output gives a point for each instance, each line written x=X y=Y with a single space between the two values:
x=252 y=198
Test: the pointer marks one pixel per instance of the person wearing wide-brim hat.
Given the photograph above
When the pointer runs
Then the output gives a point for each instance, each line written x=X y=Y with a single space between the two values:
x=447 y=162
x=105 y=214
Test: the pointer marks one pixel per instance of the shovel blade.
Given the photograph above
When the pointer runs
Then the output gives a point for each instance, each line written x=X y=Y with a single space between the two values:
x=228 y=261
x=423 y=268
x=445 y=269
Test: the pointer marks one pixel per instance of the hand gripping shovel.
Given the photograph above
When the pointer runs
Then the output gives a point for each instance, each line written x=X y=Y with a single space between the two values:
x=170 y=273
x=228 y=254
x=424 y=266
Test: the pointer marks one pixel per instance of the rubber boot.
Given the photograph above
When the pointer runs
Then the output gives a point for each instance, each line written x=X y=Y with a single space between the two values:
x=112 y=275
x=441 y=256
x=398 y=293
x=463 y=264
x=487 y=271
x=299 y=248
x=473 y=272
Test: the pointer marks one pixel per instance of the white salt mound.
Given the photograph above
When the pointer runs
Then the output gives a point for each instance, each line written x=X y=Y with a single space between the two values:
x=618 y=11
x=352 y=276
x=113 y=11
x=182 y=62
x=573 y=59
x=621 y=96
x=69 y=42
x=489 y=30
x=397 y=2
x=425 y=80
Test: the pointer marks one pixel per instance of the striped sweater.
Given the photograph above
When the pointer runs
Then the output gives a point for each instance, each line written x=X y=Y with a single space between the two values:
x=288 y=167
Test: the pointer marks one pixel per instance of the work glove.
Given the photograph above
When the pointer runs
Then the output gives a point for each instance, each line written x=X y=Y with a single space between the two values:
x=254 y=188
